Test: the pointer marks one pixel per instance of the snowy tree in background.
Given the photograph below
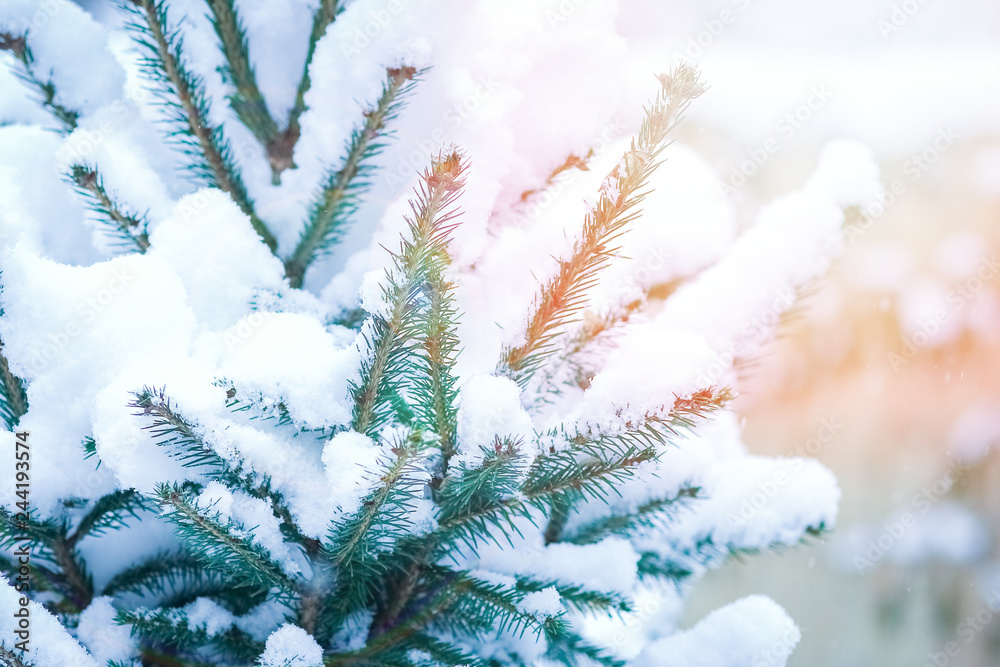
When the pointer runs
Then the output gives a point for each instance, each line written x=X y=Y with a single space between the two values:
x=299 y=392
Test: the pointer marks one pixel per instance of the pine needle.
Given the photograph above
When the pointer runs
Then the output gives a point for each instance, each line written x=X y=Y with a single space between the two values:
x=563 y=296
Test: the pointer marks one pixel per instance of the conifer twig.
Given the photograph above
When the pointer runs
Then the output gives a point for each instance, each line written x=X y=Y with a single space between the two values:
x=565 y=294
x=335 y=204
x=551 y=476
x=128 y=227
x=183 y=95
x=80 y=585
x=647 y=515
x=435 y=389
x=185 y=444
x=18 y=46
x=176 y=433
x=247 y=102
x=281 y=149
x=392 y=331
x=157 y=574
x=247 y=563
x=11 y=659
x=13 y=400
x=356 y=540
x=108 y=513
x=50 y=543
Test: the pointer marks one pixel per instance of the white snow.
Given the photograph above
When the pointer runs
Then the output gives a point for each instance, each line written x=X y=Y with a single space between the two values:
x=608 y=565
x=791 y=243
x=207 y=615
x=105 y=639
x=351 y=460
x=257 y=520
x=69 y=48
x=291 y=358
x=291 y=646
x=753 y=631
x=50 y=643
x=520 y=86
x=643 y=379
x=490 y=408
x=209 y=243
x=542 y=604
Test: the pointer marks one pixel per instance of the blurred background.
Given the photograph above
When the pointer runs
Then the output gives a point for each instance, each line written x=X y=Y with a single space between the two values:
x=889 y=372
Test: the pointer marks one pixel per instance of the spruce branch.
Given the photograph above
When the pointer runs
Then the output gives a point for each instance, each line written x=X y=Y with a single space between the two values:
x=13 y=399
x=579 y=598
x=280 y=151
x=18 y=47
x=11 y=659
x=175 y=433
x=185 y=444
x=471 y=492
x=42 y=534
x=170 y=629
x=220 y=545
x=442 y=589
x=706 y=552
x=392 y=333
x=650 y=514
x=44 y=579
x=435 y=392
x=182 y=96
x=79 y=584
x=442 y=653
x=247 y=101
x=356 y=541
x=564 y=295
x=497 y=607
x=586 y=471
x=460 y=603
x=129 y=228
x=652 y=432
x=655 y=430
x=339 y=198
x=571 y=650
x=160 y=574
x=110 y=512
x=50 y=543
x=654 y=566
